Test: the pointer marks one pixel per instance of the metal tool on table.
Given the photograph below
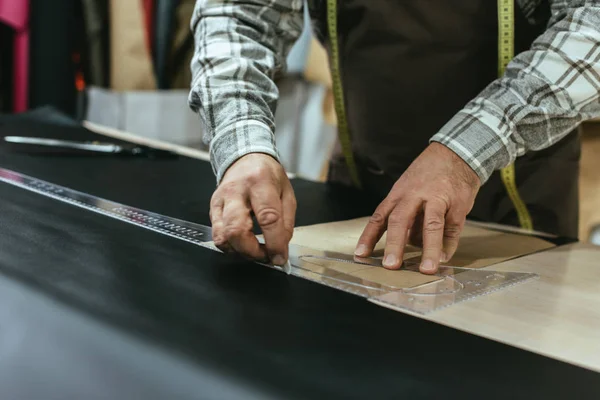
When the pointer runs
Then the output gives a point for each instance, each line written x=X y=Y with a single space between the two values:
x=70 y=146
x=452 y=286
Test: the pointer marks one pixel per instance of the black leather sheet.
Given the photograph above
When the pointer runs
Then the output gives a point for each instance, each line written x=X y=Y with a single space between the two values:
x=277 y=334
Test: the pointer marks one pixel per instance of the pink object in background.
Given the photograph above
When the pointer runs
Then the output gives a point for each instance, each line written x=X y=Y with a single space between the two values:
x=15 y=13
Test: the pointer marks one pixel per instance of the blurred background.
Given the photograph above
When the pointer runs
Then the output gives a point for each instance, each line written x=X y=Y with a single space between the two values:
x=124 y=64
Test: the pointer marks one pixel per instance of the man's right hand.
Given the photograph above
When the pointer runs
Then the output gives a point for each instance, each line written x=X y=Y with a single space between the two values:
x=255 y=184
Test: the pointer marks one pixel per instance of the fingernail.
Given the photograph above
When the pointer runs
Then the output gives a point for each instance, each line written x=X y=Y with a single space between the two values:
x=427 y=266
x=278 y=260
x=389 y=260
x=444 y=257
x=361 y=250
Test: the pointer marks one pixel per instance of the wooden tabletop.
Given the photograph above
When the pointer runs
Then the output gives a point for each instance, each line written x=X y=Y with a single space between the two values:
x=557 y=315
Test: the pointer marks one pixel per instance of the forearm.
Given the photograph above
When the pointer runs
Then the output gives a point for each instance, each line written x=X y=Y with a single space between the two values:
x=239 y=49
x=544 y=94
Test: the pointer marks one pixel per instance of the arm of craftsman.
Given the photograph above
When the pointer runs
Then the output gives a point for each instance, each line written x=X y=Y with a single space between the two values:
x=544 y=94
x=240 y=47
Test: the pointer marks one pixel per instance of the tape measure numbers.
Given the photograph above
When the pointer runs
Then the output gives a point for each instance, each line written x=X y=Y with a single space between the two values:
x=506 y=34
x=505 y=54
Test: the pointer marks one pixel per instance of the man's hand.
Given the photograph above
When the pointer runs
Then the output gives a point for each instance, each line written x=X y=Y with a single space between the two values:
x=429 y=203
x=255 y=184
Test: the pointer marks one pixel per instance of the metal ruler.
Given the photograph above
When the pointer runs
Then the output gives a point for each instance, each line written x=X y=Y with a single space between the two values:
x=453 y=284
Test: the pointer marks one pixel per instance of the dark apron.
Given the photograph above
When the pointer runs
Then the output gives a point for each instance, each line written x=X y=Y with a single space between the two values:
x=407 y=67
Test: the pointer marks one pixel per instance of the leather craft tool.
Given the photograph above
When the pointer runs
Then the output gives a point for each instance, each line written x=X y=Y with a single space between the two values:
x=55 y=146
x=454 y=284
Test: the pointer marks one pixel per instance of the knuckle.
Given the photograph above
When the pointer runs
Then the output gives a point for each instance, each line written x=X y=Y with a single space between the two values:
x=452 y=231
x=215 y=200
x=218 y=237
x=396 y=220
x=219 y=240
x=213 y=214
x=267 y=216
x=232 y=232
x=377 y=219
x=433 y=224
x=236 y=228
x=217 y=225
x=226 y=190
x=395 y=195
x=440 y=202
x=258 y=173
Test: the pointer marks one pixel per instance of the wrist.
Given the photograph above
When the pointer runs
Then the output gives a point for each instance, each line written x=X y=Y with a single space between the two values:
x=228 y=146
x=466 y=173
x=253 y=159
x=478 y=143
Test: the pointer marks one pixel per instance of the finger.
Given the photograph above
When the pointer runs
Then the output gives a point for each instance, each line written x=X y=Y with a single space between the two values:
x=455 y=222
x=288 y=200
x=216 y=219
x=374 y=230
x=399 y=221
x=415 y=236
x=238 y=229
x=433 y=236
x=266 y=203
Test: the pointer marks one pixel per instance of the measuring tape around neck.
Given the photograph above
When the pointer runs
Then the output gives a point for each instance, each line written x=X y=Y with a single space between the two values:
x=506 y=23
x=338 y=94
x=506 y=52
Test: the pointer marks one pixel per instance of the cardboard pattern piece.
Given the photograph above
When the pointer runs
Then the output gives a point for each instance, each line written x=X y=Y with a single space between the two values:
x=479 y=247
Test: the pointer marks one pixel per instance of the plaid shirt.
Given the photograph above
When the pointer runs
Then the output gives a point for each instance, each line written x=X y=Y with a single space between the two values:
x=544 y=94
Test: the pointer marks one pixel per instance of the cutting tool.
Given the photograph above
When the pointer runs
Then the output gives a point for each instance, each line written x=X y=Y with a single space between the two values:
x=56 y=146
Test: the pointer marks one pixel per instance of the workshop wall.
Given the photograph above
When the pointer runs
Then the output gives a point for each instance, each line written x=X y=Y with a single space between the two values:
x=125 y=65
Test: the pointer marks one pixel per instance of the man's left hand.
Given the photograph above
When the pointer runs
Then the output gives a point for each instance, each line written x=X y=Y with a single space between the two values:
x=427 y=206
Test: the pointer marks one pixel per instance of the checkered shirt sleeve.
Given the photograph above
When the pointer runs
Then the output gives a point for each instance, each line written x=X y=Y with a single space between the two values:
x=544 y=94
x=240 y=46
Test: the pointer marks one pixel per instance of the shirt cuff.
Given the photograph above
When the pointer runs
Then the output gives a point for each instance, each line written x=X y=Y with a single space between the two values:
x=236 y=141
x=482 y=147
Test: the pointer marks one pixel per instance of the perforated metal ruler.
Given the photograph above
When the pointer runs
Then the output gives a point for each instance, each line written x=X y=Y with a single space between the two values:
x=452 y=286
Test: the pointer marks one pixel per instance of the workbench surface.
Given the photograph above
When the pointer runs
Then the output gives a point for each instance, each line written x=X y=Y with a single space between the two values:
x=96 y=308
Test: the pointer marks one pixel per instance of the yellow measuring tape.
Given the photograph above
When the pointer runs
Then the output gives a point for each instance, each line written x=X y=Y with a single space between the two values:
x=338 y=94
x=506 y=52
x=506 y=24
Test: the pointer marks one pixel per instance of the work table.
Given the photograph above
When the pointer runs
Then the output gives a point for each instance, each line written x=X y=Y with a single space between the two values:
x=96 y=308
